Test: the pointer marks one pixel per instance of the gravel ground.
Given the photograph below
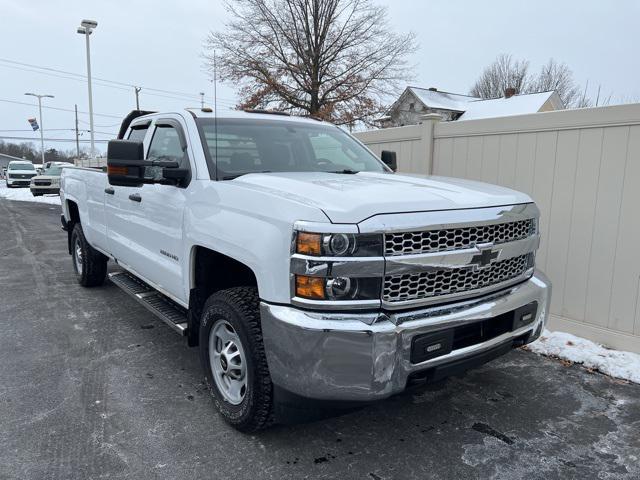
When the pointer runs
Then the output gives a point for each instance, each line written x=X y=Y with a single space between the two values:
x=93 y=386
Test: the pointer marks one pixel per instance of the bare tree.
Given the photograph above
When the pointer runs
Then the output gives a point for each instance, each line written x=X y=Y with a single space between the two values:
x=334 y=59
x=505 y=72
x=559 y=77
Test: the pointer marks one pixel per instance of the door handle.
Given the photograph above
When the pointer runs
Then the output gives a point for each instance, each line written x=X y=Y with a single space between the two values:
x=135 y=197
x=109 y=190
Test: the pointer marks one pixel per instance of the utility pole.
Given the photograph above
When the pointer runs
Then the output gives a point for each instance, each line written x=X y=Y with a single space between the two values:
x=137 y=90
x=77 y=136
x=215 y=91
x=86 y=28
x=40 y=97
x=201 y=99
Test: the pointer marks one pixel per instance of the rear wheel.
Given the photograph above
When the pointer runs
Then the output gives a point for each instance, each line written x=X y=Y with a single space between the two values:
x=233 y=358
x=89 y=264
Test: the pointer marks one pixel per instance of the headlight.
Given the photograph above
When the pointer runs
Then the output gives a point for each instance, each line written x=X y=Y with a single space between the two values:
x=339 y=244
x=338 y=288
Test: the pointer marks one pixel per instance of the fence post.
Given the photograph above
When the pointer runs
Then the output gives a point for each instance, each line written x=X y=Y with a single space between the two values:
x=428 y=122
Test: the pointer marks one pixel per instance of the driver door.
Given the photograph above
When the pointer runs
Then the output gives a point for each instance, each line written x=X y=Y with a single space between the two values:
x=156 y=221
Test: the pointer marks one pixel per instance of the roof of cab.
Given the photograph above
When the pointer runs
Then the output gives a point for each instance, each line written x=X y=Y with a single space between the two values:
x=262 y=114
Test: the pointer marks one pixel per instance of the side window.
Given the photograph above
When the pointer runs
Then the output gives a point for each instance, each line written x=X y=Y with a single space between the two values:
x=165 y=147
x=138 y=133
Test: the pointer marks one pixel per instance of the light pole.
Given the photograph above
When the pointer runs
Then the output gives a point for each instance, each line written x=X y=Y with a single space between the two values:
x=40 y=97
x=86 y=28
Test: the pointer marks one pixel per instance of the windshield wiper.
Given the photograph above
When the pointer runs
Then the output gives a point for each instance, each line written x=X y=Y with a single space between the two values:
x=346 y=171
x=236 y=175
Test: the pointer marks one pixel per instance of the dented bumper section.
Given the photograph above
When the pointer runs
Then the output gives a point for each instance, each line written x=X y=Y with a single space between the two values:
x=369 y=356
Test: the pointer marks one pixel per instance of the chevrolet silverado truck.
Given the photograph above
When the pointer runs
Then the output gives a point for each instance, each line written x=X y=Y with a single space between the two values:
x=301 y=265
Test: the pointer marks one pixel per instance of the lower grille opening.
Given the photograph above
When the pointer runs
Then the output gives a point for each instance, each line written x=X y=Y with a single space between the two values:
x=460 y=366
x=436 y=344
x=479 y=332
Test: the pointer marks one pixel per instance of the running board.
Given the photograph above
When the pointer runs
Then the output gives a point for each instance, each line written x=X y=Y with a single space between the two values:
x=164 y=308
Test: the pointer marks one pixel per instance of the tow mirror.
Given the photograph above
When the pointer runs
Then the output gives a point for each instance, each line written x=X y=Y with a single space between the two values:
x=176 y=176
x=125 y=163
x=389 y=159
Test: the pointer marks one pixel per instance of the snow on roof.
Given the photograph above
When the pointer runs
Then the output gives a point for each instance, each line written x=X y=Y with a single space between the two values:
x=502 y=107
x=442 y=100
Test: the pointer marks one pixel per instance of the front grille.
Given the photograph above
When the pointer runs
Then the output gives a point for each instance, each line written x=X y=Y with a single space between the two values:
x=408 y=243
x=21 y=175
x=417 y=286
x=42 y=182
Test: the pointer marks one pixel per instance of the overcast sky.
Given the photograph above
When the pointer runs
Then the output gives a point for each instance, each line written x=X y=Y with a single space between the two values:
x=157 y=44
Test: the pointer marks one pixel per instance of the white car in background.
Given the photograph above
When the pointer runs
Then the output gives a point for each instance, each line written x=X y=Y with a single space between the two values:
x=49 y=180
x=20 y=173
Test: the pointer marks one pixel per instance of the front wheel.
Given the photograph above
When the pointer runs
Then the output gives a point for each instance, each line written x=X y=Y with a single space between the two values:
x=89 y=264
x=233 y=358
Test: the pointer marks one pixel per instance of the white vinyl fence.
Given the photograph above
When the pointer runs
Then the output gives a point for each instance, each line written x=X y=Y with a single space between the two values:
x=582 y=167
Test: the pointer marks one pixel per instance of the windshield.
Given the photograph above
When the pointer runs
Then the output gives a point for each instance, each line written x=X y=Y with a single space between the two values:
x=53 y=171
x=246 y=146
x=21 y=166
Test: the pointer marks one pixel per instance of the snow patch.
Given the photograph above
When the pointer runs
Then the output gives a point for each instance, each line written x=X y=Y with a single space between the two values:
x=623 y=365
x=23 y=194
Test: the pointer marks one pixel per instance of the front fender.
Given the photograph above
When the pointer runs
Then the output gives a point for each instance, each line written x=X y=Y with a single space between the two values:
x=259 y=237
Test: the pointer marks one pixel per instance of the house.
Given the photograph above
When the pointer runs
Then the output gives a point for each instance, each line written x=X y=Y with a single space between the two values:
x=5 y=159
x=415 y=102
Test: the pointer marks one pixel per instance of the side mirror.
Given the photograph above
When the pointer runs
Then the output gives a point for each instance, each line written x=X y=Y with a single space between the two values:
x=389 y=159
x=176 y=176
x=125 y=163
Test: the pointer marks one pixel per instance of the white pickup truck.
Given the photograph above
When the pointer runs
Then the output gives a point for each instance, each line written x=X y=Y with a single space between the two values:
x=302 y=265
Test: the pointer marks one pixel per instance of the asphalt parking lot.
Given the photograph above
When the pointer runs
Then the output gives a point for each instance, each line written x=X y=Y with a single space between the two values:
x=93 y=386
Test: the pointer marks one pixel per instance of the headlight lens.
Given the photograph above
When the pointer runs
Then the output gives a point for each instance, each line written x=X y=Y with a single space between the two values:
x=338 y=288
x=339 y=244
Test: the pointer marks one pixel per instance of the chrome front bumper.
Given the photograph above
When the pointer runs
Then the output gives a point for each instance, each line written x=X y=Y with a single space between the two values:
x=366 y=356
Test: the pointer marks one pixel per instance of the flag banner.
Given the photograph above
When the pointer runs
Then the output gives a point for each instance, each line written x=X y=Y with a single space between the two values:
x=34 y=124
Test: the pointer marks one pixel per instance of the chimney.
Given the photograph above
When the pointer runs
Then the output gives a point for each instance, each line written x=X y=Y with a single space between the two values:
x=433 y=89
x=509 y=92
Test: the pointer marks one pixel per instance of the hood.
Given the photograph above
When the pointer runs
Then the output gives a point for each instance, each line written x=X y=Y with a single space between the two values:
x=13 y=171
x=348 y=198
x=46 y=177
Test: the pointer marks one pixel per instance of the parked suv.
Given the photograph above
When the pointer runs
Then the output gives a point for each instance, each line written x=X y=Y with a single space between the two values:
x=302 y=265
x=49 y=180
x=20 y=173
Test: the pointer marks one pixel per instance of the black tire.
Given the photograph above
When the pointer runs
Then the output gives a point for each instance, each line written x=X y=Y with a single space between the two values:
x=36 y=194
x=240 y=308
x=90 y=266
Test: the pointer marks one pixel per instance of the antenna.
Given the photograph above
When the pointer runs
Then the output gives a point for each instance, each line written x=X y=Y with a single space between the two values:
x=215 y=111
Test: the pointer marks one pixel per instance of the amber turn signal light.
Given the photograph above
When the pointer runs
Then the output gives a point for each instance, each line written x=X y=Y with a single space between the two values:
x=111 y=170
x=310 y=287
x=308 y=243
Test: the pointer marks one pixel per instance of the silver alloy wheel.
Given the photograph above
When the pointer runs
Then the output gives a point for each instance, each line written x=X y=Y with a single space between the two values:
x=77 y=255
x=228 y=362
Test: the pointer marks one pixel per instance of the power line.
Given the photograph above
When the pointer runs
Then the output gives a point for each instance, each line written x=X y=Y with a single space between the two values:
x=56 y=72
x=31 y=139
x=58 y=108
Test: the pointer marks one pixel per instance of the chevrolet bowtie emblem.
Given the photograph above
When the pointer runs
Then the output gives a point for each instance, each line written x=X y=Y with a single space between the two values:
x=486 y=256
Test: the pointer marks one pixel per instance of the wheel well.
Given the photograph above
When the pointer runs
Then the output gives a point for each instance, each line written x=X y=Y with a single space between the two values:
x=74 y=217
x=212 y=271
